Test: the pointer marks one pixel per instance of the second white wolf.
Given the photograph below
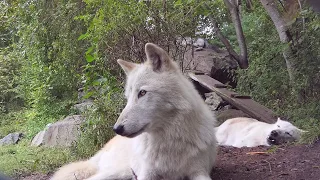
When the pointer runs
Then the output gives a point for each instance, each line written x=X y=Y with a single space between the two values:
x=248 y=132
x=167 y=131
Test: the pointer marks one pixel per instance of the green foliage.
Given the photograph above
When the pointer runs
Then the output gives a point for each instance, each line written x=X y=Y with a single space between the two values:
x=46 y=47
x=120 y=29
x=38 y=118
x=21 y=158
x=9 y=95
x=11 y=122
x=41 y=63
x=266 y=79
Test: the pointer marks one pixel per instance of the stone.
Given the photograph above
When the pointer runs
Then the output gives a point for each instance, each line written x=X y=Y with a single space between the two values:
x=63 y=133
x=210 y=59
x=60 y=134
x=12 y=138
x=38 y=139
x=213 y=100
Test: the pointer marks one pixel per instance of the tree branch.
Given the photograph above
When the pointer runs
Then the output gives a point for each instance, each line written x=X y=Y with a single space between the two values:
x=234 y=11
x=223 y=39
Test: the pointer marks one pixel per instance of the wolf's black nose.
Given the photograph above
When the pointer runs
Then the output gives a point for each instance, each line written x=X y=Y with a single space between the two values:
x=118 y=129
x=274 y=133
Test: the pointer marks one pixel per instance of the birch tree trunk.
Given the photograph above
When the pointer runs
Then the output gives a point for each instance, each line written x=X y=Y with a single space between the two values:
x=284 y=34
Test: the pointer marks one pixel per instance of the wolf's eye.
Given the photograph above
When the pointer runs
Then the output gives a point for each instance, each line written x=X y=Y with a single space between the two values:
x=142 y=93
x=288 y=134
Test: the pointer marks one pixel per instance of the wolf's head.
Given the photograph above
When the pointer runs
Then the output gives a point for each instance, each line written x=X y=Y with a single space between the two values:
x=152 y=92
x=283 y=132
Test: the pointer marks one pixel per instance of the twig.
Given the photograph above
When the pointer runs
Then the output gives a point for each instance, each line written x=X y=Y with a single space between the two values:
x=253 y=153
x=268 y=164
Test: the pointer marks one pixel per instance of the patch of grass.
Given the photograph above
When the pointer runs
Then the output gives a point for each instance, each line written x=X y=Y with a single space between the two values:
x=307 y=117
x=33 y=120
x=38 y=117
x=312 y=133
x=11 y=122
x=23 y=158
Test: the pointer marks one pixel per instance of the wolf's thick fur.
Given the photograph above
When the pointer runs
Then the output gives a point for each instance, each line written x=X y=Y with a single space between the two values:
x=248 y=132
x=168 y=129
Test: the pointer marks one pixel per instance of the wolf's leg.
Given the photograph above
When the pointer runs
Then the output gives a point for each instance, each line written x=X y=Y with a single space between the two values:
x=200 y=177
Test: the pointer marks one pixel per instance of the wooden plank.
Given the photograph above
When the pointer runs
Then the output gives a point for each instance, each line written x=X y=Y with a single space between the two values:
x=244 y=103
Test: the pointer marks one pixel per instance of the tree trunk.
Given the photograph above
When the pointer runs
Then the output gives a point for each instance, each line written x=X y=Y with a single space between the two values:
x=284 y=34
x=224 y=40
x=235 y=15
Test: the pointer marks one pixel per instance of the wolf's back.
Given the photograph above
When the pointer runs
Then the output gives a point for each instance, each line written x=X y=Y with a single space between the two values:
x=75 y=171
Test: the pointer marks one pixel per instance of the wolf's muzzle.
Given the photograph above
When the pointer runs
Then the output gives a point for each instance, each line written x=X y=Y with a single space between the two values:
x=118 y=129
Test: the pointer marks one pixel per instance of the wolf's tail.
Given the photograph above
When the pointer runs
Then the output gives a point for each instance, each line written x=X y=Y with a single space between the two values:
x=75 y=171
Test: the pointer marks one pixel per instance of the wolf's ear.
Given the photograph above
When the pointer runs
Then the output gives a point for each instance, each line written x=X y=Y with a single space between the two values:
x=126 y=66
x=158 y=58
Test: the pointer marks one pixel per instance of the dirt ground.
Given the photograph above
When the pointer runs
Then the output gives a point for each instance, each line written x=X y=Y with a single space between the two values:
x=294 y=162
x=285 y=162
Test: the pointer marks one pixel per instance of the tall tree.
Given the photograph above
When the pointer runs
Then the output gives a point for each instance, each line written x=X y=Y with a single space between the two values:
x=284 y=34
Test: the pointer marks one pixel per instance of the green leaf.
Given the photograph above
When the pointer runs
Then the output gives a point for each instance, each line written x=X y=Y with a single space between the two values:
x=89 y=50
x=87 y=95
x=82 y=36
x=89 y=58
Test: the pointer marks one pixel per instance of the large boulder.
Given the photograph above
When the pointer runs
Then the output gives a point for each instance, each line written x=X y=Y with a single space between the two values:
x=211 y=60
x=60 y=134
x=12 y=138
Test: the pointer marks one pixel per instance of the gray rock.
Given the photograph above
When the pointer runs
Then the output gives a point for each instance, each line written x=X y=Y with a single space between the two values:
x=211 y=60
x=60 y=134
x=12 y=138
x=63 y=133
x=213 y=100
x=226 y=107
x=38 y=139
x=200 y=42
x=204 y=59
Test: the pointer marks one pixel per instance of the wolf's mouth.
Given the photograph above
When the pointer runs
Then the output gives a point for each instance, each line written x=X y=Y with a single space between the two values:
x=136 y=133
x=272 y=141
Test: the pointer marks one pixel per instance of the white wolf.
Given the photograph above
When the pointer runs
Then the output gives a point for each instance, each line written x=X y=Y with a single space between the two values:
x=167 y=131
x=242 y=131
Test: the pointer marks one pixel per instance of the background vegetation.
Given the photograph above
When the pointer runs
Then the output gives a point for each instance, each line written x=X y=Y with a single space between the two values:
x=50 y=49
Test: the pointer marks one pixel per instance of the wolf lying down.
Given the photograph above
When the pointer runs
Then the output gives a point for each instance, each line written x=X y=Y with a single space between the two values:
x=248 y=132
x=167 y=131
